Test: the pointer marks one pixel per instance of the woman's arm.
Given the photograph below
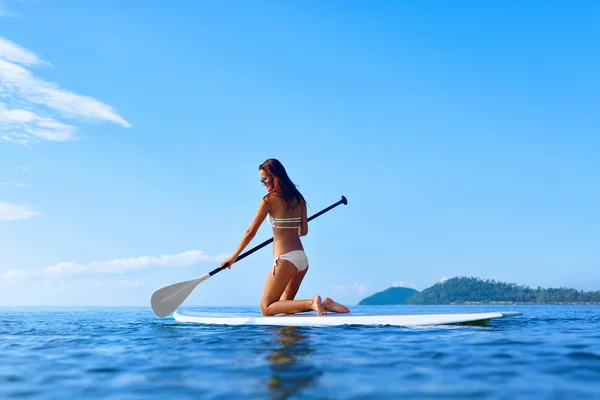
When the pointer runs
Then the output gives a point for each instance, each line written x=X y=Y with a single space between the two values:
x=261 y=214
x=303 y=230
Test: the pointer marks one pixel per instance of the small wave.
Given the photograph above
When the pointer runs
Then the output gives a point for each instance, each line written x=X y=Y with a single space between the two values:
x=503 y=356
x=104 y=370
x=11 y=379
x=505 y=342
x=584 y=355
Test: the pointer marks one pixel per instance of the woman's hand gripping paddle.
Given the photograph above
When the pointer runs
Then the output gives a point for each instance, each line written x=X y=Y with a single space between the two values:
x=166 y=300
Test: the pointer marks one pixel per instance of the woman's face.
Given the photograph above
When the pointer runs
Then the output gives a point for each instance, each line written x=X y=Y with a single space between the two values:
x=266 y=179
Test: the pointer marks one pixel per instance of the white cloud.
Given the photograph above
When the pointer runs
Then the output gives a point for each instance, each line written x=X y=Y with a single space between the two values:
x=32 y=107
x=22 y=126
x=21 y=184
x=53 y=282
x=222 y=256
x=360 y=288
x=443 y=280
x=12 y=277
x=5 y=13
x=20 y=81
x=130 y=283
x=15 y=274
x=356 y=287
x=404 y=284
x=10 y=212
x=123 y=265
x=20 y=168
x=14 y=53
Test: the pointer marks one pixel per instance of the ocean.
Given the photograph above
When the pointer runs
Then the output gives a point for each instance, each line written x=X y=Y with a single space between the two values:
x=551 y=352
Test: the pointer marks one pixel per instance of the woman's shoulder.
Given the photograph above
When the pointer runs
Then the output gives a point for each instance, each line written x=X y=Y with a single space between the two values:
x=276 y=199
x=270 y=197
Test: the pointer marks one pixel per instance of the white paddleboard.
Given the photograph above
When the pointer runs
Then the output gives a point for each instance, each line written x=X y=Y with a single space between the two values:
x=333 y=319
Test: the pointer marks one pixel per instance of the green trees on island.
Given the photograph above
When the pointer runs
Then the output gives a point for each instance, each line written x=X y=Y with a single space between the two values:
x=464 y=290
x=476 y=290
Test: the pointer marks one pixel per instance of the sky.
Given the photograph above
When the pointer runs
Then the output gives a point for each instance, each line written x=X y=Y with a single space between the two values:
x=465 y=136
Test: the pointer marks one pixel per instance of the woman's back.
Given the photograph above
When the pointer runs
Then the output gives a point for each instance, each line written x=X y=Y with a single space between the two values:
x=288 y=224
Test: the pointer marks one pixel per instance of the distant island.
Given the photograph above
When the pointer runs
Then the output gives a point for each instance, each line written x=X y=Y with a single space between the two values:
x=391 y=296
x=469 y=290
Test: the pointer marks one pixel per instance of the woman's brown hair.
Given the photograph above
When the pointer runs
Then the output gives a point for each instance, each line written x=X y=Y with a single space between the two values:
x=282 y=183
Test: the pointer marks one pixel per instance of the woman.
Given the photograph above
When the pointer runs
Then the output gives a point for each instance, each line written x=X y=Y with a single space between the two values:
x=286 y=208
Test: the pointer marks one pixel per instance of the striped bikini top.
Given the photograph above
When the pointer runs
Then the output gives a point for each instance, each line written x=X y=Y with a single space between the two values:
x=275 y=222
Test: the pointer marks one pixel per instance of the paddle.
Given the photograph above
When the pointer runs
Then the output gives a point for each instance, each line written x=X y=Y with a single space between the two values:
x=166 y=300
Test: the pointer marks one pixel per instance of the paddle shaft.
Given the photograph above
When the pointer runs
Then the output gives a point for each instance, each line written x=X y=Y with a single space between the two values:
x=266 y=242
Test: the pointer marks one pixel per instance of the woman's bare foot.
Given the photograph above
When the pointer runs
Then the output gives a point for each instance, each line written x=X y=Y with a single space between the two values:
x=330 y=305
x=316 y=305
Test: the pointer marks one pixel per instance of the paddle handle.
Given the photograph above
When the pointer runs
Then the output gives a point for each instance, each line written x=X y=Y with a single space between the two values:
x=343 y=201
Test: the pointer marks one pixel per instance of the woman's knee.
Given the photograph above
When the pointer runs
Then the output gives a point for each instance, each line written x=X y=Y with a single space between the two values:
x=264 y=308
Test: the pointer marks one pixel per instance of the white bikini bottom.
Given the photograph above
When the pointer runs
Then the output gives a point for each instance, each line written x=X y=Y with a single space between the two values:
x=296 y=257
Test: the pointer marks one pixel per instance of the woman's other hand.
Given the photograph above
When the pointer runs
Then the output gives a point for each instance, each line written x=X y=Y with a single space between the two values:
x=229 y=260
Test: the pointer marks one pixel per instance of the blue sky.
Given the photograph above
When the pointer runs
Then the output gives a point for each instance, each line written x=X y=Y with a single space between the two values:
x=464 y=135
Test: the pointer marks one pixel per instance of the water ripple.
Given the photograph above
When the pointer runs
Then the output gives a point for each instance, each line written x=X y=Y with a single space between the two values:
x=549 y=352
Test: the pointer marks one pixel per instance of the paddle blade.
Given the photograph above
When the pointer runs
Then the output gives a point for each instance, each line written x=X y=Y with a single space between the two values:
x=166 y=300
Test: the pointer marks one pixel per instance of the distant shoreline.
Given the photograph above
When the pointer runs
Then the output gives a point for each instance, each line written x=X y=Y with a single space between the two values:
x=566 y=303
x=493 y=303
x=476 y=291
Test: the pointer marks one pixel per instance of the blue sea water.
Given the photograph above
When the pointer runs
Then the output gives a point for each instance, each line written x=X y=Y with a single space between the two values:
x=551 y=352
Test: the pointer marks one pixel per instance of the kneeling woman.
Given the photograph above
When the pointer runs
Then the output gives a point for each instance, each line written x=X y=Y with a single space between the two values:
x=286 y=209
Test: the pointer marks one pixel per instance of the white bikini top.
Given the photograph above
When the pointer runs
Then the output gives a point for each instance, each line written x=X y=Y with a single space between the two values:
x=275 y=221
